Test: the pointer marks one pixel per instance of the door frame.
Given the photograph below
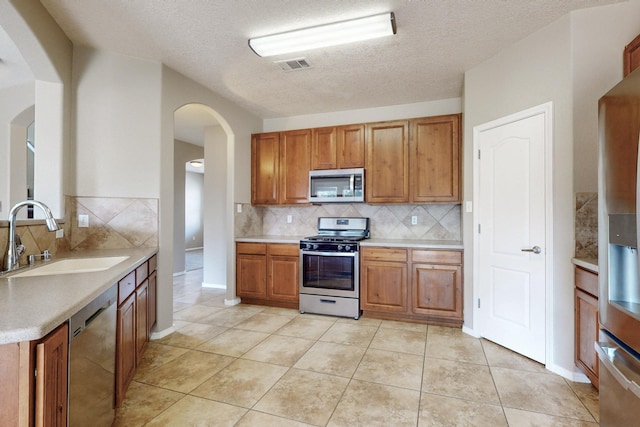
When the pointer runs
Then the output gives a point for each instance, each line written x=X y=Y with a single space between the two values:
x=547 y=111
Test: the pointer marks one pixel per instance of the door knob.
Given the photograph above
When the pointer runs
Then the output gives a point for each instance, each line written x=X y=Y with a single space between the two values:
x=535 y=250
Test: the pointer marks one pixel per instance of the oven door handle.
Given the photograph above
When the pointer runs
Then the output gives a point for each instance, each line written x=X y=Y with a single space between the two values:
x=343 y=254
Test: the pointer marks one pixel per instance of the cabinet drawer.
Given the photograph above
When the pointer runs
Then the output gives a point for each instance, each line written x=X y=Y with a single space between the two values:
x=142 y=273
x=384 y=254
x=153 y=263
x=436 y=257
x=126 y=286
x=587 y=281
x=284 y=249
x=251 y=248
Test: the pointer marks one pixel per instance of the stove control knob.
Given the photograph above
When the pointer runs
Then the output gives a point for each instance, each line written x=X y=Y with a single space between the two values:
x=340 y=247
x=315 y=246
x=347 y=248
x=307 y=245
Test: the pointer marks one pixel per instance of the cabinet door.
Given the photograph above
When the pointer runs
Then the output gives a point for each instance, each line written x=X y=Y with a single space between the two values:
x=251 y=276
x=153 y=297
x=51 y=378
x=350 y=151
x=125 y=347
x=437 y=290
x=265 y=158
x=387 y=162
x=142 y=319
x=631 y=56
x=283 y=278
x=383 y=286
x=435 y=159
x=587 y=332
x=324 y=148
x=295 y=162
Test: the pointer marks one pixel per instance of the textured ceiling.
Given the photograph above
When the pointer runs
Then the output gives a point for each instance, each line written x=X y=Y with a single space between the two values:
x=436 y=41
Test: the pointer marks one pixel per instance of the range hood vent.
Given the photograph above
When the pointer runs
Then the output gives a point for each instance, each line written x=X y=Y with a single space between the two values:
x=294 y=64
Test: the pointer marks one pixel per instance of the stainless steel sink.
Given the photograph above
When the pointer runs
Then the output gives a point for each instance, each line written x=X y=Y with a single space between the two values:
x=72 y=265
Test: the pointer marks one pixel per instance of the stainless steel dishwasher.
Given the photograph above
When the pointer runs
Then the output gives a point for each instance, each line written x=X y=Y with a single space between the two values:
x=92 y=357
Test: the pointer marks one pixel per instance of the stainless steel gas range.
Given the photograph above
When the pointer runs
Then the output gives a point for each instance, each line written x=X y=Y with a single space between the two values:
x=330 y=267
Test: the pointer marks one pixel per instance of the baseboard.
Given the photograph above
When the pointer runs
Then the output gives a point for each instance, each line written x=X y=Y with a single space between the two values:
x=575 y=376
x=194 y=249
x=214 y=285
x=233 y=301
x=161 y=334
x=470 y=331
x=180 y=273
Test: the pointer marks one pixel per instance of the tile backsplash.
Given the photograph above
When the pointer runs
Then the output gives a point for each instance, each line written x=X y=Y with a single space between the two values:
x=114 y=223
x=586 y=225
x=435 y=222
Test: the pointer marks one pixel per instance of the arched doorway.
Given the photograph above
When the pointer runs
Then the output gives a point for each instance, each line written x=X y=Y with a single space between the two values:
x=197 y=126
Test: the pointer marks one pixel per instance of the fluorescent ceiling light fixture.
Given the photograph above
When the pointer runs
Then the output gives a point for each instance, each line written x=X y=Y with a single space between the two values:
x=326 y=35
x=196 y=163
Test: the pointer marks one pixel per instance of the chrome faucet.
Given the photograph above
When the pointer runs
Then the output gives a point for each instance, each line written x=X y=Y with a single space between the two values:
x=14 y=249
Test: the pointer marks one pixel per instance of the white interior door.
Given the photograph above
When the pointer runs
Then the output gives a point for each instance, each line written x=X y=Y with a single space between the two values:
x=511 y=234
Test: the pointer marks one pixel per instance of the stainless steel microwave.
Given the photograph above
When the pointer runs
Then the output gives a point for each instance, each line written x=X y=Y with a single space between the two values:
x=336 y=186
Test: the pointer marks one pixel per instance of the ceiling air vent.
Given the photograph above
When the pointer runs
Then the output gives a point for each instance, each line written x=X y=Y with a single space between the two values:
x=294 y=64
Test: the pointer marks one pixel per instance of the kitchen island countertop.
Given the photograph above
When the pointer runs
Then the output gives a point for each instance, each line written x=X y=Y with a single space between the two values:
x=31 y=307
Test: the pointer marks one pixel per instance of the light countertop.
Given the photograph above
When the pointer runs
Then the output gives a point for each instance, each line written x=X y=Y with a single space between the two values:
x=31 y=307
x=590 y=264
x=406 y=243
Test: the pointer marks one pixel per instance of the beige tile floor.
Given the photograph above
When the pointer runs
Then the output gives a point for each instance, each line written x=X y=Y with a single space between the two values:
x=259 y=366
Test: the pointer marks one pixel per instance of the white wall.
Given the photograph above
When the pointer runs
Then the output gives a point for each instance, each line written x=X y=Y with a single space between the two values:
x=572 y=62
x=599 y=37
x=48 y=53
x=366 y=115
x=217 y=253
x=183 y=152
x=193 y=215
x=238 y=125
x=532 y=72
x=117 y=125
x=14 y=102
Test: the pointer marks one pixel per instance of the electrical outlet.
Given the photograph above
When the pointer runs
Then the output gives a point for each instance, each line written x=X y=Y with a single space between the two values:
x=469 y=206
x=239 y=207
x=289 y=219
x=83 y=221
x=414 y=220
x=60 y=233
x=193 y=238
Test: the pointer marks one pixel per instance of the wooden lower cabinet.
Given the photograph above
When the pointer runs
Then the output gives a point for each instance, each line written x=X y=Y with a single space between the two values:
x=587 y=328
x=251 y=270
x=125 y=347
x=41 y=399
x=383 y=280
x=268 y=273
x=142 y=318
x=51 y=378
x=412 y=284
x=136 y=316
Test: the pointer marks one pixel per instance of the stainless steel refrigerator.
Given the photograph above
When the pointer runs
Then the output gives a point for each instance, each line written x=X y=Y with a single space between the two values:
x=619 y=299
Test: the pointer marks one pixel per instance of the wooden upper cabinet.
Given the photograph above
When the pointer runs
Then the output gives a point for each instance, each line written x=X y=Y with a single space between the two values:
x=387 y=162
x=631 y=57
x=324 y=149
x=435 y=159
x=340 y=147
x=265 y=160
x=350 y=146
x=295 y=149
